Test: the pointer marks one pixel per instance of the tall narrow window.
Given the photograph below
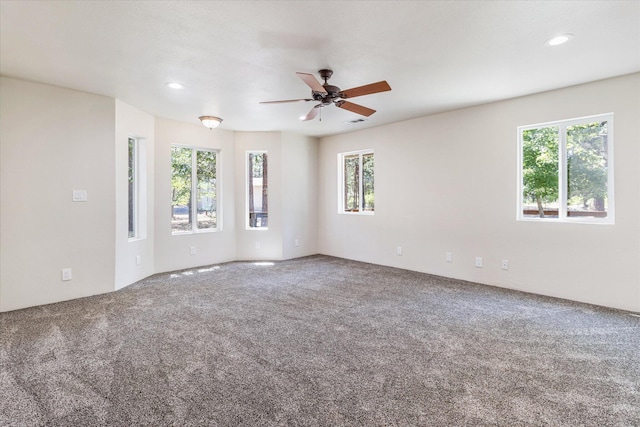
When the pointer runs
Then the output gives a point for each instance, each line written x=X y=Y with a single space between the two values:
x=257 y=189
x=367 y=182
x=356 y=178
x=566 y=170
x=352 y=183
x=133 y=188
x=194 y=189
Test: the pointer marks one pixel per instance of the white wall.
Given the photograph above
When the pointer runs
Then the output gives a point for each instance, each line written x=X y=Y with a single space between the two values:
x=259 y=243
x=79 y=141
x=172 y=252
x=447 y=182
x=292 y=195
x=299 y=195
x=443 y=183
x=131 y=122
x=53 y=141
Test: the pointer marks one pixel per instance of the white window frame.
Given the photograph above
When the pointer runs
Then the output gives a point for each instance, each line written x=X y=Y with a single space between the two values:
x=246 y=188
x=341 y=182
x=132 y=205
x=194 y=191
x=139 y=188
x=562 y=168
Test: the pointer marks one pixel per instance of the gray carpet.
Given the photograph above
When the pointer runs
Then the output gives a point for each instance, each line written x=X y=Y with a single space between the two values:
x=318 y=341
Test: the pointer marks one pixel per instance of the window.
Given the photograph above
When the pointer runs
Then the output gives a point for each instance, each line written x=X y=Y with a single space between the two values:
x=194 y=189
x=137 y=187
x=133 y=188
x=566 y=170
x=257 y=189
x=356 y=193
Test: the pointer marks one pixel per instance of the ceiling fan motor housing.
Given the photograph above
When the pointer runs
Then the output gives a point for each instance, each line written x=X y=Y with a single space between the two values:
x=333 y=92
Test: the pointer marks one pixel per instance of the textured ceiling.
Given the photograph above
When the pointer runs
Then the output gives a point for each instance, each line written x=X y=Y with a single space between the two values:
x=436 y=55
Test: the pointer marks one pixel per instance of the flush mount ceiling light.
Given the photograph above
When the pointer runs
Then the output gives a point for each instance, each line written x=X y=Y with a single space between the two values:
x=175 y=85
x=558 y=40
x=210 y=121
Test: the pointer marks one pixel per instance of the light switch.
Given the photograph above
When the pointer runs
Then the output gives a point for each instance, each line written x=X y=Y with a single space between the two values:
x=79 y=195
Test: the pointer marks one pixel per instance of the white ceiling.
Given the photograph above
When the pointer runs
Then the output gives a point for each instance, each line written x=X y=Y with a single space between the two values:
x=436 y=55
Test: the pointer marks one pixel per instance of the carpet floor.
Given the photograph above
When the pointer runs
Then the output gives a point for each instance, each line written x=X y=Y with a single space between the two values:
x=318 y=341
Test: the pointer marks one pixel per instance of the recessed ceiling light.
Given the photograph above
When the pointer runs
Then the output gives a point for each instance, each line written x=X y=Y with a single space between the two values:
x=175 y=85
x=558 y=40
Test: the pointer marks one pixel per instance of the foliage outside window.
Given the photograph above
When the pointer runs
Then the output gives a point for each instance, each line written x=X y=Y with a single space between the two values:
x=193 y=190
x=356 y=178
x=258 y=186
x=133 y=188
x=566 y=170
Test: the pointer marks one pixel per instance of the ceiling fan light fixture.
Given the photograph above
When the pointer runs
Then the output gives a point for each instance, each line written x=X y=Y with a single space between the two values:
x=210 y=122
x=175 y=85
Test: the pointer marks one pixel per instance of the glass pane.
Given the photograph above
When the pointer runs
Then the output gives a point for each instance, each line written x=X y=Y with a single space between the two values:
x=367 y=181
x=258 y=190
x=180 y=189
x=351 y=183
x=206 y=188
x=132 y=187
x=587 y=168
x=540 y=172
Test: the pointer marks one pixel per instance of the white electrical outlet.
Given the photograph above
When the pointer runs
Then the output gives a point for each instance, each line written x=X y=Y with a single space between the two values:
x=479 y=261
x=66 y=274
x=257 y=245
x=297 y=242
x=504 y=264
x=399 y=251
x=192 y=250
x=449 y=257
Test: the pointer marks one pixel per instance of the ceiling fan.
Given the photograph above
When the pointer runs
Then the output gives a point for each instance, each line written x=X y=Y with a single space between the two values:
x=327 y=94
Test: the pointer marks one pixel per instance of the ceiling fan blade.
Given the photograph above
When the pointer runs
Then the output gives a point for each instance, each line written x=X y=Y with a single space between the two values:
x=312 y=82
x=355 y=108
x=382 y=86
x=312 y=114
x=286 y=100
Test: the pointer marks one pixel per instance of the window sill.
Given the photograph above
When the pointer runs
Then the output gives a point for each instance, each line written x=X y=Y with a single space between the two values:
x=135 y=239
x=365 y=213
x=204 y=231
x=591 y=221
